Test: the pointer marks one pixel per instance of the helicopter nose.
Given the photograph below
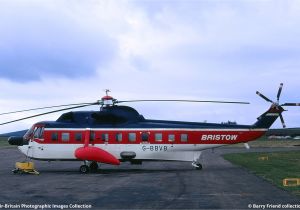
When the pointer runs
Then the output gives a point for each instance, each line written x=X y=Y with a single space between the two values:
x=16 y=140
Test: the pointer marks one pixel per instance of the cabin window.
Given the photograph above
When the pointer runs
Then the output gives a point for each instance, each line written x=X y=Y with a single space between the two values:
x=171 y=137
x=92 y=136
x=158 y=137
x=145 y=136
x=132 y=137
x=104 y=136
x=119 y=137
x=65 y=136
x=78 y=136
x=54 y=136
x=184 y=137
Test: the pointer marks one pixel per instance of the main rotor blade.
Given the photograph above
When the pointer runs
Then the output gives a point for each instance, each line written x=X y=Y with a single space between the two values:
x=264 y=97
x=195 y=101
x=279 y=91
x=39 y=108
x=282 y=121
x=290 y=104
x=45 y=113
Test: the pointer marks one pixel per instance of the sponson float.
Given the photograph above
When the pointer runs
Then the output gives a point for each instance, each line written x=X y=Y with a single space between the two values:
x=119 y=133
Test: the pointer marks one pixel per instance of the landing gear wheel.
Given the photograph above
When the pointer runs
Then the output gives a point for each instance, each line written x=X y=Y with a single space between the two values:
x=197 y=166
x=84 y=169
x=94 y=166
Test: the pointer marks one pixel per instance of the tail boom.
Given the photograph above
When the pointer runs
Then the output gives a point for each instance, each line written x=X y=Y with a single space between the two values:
x=267 y=119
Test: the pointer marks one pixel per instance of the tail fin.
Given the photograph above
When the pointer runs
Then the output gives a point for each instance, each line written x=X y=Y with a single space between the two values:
x=267 y=119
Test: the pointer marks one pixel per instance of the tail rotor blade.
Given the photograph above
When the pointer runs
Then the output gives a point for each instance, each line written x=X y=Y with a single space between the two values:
x=279 y=91
x=264 y=97
x=290 y=104
x=282 y=121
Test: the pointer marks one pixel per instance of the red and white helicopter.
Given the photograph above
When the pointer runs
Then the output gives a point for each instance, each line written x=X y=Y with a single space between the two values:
x=119 y=133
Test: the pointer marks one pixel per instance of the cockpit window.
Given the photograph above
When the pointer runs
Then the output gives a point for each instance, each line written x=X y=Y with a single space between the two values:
x=39 y=132
x=29 y=133
x=42 y=133
x=36 y=131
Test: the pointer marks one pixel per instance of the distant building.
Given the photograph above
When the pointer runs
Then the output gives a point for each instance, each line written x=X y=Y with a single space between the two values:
x=286 y=133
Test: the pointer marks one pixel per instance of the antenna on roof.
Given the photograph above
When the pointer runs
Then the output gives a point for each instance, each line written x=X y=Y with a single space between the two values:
x=107 y=91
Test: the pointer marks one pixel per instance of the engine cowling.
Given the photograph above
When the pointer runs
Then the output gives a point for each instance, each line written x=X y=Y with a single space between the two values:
x=91 y=153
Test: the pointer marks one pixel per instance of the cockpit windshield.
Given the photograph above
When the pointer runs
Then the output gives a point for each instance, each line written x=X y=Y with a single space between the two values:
x=29 y=133
x=36 y=131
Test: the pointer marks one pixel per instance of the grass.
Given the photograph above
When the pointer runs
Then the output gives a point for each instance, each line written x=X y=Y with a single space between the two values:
x=4 y=143
x=280 y=165
x=265 y=142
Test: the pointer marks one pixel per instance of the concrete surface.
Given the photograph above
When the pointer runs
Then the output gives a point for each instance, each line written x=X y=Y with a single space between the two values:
x=153 y=185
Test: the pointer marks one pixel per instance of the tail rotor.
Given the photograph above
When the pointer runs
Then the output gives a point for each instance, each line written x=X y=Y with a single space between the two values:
x=276 y=104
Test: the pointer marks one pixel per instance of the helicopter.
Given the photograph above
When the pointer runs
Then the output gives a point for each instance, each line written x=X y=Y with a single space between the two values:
x=118 y=133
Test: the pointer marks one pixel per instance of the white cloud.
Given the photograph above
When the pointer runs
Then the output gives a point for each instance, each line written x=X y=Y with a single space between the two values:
x=40 y=38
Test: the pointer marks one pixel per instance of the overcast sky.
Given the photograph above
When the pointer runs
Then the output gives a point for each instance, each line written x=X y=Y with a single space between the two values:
x=58 y=52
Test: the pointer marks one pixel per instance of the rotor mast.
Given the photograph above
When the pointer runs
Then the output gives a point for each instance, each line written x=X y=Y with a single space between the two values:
x=107 y=100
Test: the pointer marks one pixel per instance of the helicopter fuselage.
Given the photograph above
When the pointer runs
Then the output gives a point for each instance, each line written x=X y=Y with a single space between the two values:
x=140 y=140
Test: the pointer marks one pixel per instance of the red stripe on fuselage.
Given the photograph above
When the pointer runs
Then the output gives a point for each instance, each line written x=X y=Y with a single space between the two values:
x=194 y=136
